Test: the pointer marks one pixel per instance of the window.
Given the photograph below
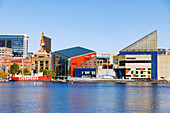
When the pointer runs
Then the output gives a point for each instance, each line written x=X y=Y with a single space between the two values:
x=36 y=65
x=149 y=72
x=93 y=72
x=41 y=64
x=141 y=72
x=46 y=65
x=122 y=63
x=132 y=72
x=136 y=72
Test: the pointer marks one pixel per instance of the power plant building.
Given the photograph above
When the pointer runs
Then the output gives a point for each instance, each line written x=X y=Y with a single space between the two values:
x=47 y=44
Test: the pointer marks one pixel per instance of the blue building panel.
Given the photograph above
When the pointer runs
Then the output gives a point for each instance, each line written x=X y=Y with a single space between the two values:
x=153 y=60
x=89 y=72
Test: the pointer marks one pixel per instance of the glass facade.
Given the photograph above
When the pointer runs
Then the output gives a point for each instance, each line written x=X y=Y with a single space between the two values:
x=16 y=42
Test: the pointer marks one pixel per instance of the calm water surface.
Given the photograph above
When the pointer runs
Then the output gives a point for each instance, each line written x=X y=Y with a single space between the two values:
x=47 y=97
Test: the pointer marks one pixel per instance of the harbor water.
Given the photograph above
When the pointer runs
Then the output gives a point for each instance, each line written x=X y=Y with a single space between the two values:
x=48 y=97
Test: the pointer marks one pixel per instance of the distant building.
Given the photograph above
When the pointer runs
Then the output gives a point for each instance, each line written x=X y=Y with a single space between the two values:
x=18 y=43
x=41 y=60
x=105 y=65
x=75 y=62
x=163 y=51
x=138 y=60
x=47 y=44
x=5 y=52
x=6 y=62
x=30 y=54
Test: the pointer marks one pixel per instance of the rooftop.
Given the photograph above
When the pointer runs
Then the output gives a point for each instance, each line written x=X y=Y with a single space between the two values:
x=74 y=51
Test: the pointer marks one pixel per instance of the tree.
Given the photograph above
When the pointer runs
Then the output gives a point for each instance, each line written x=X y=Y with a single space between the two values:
x=48 y=72
x=26 y=71
x=35 y=71
x=3 y=74
x=14 y=69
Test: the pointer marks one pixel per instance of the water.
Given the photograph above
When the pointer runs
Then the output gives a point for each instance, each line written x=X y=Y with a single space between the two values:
x=47 y=97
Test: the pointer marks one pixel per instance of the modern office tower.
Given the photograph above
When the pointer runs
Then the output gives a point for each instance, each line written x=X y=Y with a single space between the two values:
x=18 y=43
x=47 y=44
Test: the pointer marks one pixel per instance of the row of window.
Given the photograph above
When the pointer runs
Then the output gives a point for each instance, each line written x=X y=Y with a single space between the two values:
x=132 y=72
x=122 y=63
x=136 y=76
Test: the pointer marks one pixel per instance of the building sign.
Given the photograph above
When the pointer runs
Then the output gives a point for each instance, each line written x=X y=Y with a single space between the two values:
x=42 y=44
x=16 y=59
x=88 y=72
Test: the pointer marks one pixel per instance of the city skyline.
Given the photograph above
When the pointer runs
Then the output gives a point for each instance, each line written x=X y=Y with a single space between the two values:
x=103 y=26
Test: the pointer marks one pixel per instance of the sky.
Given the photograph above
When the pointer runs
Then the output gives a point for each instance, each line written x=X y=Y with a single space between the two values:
x=105 y=26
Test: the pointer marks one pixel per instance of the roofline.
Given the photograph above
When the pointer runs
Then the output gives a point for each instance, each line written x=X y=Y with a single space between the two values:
x=15 y=34
x=74 y=47
x=62 y=54
x=139 y=40
x=82 y=55
x=85 y=62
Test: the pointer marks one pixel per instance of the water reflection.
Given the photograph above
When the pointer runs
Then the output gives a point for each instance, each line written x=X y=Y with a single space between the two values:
x=83 y=97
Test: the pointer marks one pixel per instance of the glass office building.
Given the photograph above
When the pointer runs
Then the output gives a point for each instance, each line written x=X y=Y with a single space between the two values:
x=18 y=42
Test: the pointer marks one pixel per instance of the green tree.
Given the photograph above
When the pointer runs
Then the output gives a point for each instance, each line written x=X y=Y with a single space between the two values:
x=48 y=72
x=19 y=71
x=14 y=69
x=26 y=71
x=35 y=71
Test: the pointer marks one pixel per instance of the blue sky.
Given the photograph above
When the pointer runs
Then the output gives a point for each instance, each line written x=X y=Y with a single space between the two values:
x=105 y=26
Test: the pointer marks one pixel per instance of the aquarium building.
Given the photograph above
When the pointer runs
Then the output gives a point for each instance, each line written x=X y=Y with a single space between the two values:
x=75 y=62
x=138 y=60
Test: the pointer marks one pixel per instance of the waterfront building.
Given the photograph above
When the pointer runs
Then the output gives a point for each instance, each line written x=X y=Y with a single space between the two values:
x=105 y=65
x=6 y=62
x=5 y=53
x=18 y=43
x=42 y=59
x=138 y=60
x=163 y=64
x=75 y=62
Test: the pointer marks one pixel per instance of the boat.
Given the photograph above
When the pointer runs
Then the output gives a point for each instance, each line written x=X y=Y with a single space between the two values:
x=31 y=78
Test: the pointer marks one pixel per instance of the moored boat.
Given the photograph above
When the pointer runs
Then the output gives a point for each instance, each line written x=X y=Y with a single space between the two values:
x=31 y=78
